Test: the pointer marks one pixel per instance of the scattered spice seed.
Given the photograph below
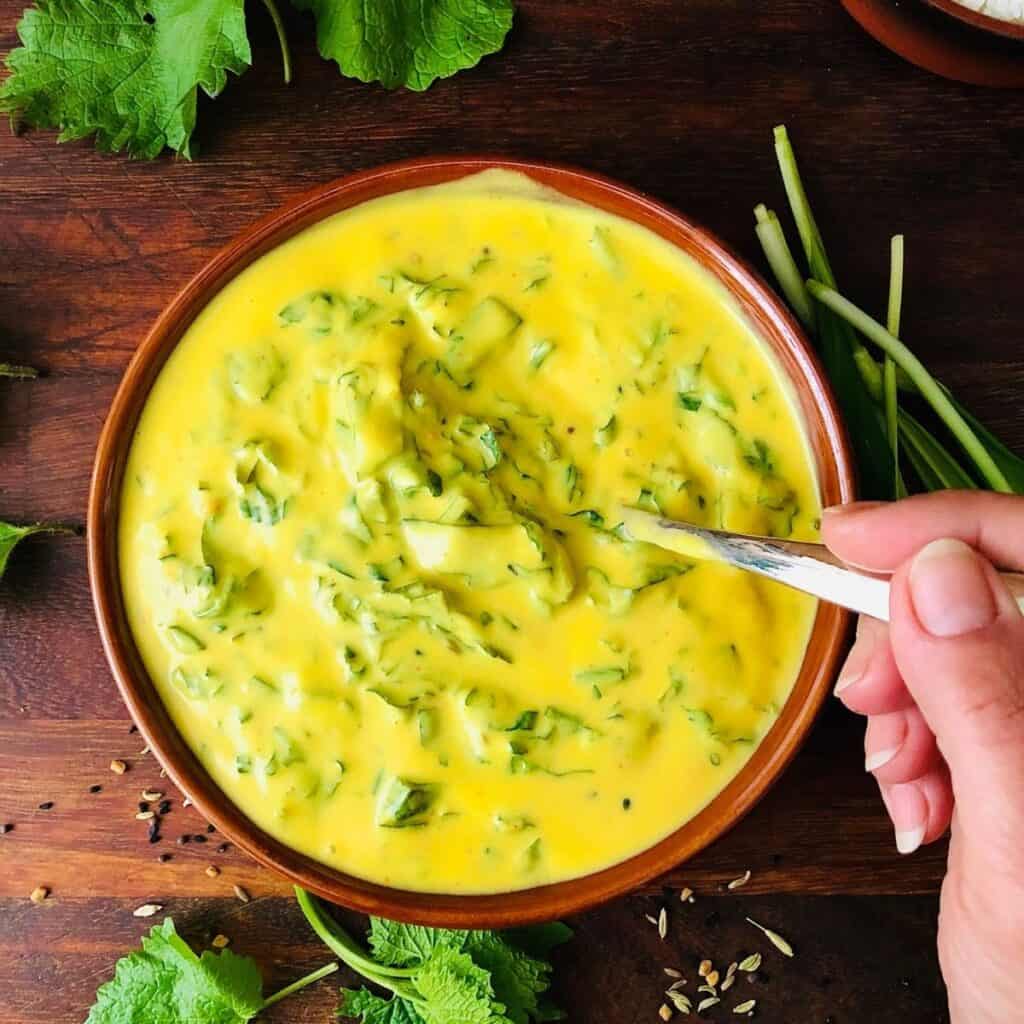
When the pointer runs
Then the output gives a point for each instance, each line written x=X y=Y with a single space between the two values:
x=681 y=1002
x=163 y=773
x=220 y=941
x=164 y=858
x=651 y=918
x=662 y=923
x=132 y=729
x=97 y=788
x=154 y=831
x=164 y=807
x=686 y=895
x=39 y=894
x=144 y=815
x=773 y=937
x=675 y=986
x=46 y=805
x=144 y=751
x=706 y=1004
x=152 y=795
x=224 y=847
x=118 y=767
x=673 y=973
x=705 y=968
x=242 y=894
x=199 y=839
x=212 y=871
x=147 y=910
x=664 y=1012
x=187 y=802
x=745 y=1007
x=143 y=806
x=708 y=989
x=183 y=839
x=751 y=963
x=738 y=883
x=210 y=830
x=712 y=978
x=730 y=980
x=5 y=828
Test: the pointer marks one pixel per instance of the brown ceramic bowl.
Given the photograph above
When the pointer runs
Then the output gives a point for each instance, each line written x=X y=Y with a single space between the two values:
x=827 y=439
x=978 y=20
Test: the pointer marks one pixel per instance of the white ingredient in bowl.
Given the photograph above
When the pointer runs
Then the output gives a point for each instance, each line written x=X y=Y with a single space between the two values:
x=1005 y=10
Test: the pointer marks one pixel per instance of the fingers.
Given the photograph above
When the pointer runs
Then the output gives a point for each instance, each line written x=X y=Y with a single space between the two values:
x=920 y=810
x=958 y=640
x=870 y=683
x=877 y=535
x=899 y=747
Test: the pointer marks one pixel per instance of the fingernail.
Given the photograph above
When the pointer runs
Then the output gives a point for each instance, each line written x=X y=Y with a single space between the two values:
x=909 y=841
x=835 y=511
x=879 y=758
x=908 y=810
x=854 y=669
x=949 y=589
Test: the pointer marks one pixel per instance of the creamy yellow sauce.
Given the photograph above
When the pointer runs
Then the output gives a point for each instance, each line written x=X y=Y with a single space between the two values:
x=371 y=559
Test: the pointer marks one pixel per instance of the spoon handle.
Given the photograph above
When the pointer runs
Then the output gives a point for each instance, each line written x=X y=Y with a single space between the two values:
x=811 y=568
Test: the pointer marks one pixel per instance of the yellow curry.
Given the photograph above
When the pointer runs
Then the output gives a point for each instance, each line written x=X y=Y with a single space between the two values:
x=370 y=555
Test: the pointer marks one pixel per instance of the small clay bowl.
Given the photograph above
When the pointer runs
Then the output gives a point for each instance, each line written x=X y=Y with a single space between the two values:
x=827 y=441
x=979 y=20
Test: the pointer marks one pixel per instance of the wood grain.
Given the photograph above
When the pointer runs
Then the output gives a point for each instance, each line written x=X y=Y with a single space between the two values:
x=675 y=99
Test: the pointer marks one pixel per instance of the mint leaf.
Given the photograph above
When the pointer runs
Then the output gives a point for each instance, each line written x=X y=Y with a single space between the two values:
x=518 y=979
x=408 y=42
x=166 y=983
x=399 y=945
x=455 y=989
x=538 y=939
x=371 y=1009
x=126 y=71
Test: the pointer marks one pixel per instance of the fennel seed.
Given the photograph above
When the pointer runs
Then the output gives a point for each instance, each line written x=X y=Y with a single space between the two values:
x=152 y=795
x=730 y=980
x=212 y=871
x=738 y=883
x=686 y=895
x=746 y=1007
x=681 y=1003
x=241 y=894
x=676 y=985
x=118 y=767
x=773 y=937
x=145 y=815
x=147 y=910
x=705 y=968
x=662 y=923
x=673 y=973
x=706 y=1004
x=220 y=941
x=712 y=978
x=751 y=963
x=664 y=1012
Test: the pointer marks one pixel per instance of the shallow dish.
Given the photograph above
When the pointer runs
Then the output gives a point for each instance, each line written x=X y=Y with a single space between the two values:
x=826 y=440
x=979 y=20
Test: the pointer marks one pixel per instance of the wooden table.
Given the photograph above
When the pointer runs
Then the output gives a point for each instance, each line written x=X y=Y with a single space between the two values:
x=674 y=98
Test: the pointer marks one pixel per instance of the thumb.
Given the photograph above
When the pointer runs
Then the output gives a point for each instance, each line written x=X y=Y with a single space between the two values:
x=958 y=639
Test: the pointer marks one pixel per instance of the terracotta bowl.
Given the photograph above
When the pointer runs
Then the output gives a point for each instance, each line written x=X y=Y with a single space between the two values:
x=978 y=20
x=831 y=453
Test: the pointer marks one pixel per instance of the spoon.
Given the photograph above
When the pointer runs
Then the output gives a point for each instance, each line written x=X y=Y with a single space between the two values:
x=811 y=568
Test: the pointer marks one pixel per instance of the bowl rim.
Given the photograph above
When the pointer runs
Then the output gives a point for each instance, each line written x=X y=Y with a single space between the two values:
x=826 y=435
x=979 y=20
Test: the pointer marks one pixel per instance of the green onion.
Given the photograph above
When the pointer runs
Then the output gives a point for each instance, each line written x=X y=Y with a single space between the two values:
x=926 y=384
x=780 y=259
x=890 y=389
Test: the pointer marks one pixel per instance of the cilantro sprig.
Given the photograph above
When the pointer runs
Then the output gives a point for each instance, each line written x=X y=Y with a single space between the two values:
x=129 y=71
x=439 y=975
x=166 y=983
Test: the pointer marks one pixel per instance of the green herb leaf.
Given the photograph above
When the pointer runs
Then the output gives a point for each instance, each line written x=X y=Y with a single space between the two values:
x=126 y=71
x=371 y=1009
x=11 y=535
x=403 y=43
x=166 y=983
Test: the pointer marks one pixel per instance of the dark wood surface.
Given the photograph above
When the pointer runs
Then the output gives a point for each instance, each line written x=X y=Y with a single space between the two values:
x=674 y=98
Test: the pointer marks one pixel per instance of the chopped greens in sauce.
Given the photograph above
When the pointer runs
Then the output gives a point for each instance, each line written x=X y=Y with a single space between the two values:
x=370 y=552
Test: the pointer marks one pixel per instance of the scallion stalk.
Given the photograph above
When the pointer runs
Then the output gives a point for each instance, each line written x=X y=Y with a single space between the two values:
x=780 y=259
x=930 y=389
x=890 y=388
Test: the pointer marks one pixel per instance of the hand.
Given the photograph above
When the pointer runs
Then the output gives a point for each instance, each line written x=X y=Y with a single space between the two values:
x=943 y=688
